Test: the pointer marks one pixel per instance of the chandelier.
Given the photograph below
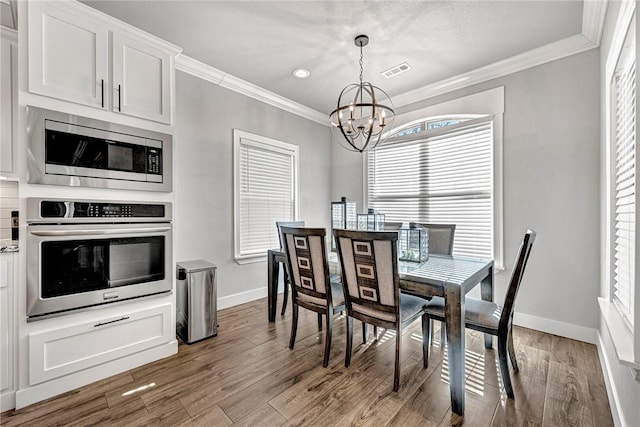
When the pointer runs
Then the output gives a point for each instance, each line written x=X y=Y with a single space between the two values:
x=363 y=112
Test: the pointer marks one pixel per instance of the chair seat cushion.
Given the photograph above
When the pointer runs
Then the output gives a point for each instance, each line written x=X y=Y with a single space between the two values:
x=410 y=306
x=477 y=312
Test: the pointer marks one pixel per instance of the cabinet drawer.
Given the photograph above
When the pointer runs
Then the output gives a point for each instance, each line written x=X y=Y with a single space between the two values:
x=59 y=352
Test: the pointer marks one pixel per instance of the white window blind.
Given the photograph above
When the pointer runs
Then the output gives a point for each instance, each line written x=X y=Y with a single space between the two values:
x=265 y=191
x=624 y=209
x=443 y=175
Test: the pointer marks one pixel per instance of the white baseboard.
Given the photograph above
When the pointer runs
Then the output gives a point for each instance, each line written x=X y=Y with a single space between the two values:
x=7 y=401
x=241 y=298
x=30 y=395
x=614 y=399
x=555 y=327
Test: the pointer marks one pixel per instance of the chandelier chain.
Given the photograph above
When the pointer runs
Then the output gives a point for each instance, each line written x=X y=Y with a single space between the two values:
x=360 y=64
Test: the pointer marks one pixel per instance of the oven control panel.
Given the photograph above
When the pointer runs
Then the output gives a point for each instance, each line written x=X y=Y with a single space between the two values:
x=67 y=210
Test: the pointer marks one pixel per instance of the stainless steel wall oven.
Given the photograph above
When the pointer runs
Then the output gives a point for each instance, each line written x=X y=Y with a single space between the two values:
x=86 y=253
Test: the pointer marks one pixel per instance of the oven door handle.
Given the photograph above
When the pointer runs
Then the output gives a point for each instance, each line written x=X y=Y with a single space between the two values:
x=80 y=232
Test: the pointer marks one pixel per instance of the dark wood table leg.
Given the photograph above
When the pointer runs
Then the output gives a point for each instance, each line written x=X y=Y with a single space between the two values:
x=454 y=318
x=273 y=271
x=486 y=290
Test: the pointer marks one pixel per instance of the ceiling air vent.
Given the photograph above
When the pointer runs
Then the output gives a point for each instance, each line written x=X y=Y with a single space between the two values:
x=394 y=71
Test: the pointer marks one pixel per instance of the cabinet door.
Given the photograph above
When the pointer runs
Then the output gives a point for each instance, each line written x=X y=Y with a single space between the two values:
x=7 y=103
x=141 y=79
x=68 y=55
x=6 y=311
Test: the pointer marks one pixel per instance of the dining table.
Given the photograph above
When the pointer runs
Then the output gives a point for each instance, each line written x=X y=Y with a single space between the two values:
x=446 y=276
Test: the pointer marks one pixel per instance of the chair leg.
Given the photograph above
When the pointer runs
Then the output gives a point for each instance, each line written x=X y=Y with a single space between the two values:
x=375 y=332
x=443 y=335
x=319 y=322
x=294 y=325
x=396 y=372
x=504 y=364
x=425 y=340
x=512 y=353
x=285 y=295
x=430 y=333
x=347 y=356
x=327 y=340
x=364 y=333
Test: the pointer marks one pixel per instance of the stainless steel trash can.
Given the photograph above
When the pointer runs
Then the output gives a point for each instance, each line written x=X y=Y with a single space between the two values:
x=196 y=306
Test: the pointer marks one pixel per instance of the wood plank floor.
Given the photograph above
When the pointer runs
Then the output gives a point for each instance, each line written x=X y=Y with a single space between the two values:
x=247 y=376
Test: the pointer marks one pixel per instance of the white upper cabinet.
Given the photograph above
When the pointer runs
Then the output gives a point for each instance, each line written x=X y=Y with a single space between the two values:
x=83 y=56
x=8 y=100
x=141 y=79
x=68 y=55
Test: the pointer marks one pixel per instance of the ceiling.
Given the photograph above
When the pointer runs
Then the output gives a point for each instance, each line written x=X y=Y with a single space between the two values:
x=262 y=42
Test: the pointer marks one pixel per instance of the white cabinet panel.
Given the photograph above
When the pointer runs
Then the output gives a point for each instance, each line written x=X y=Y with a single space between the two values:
x=59 y=352
x=6 y=322
x=68 y=55
x=8 y=85
x=141 y=79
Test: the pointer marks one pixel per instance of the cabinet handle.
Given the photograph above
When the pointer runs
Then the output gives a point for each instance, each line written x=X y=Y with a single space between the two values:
x=112 y=321
x=119 y=98
x=102 y=91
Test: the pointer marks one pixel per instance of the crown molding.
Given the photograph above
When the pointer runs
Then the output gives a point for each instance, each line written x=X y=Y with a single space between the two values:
x=198 y=69
x=228 y=81
x=593 y=16
x=532 y=58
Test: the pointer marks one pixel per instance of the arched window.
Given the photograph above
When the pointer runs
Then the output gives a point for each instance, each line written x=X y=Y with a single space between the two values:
x=439 y=169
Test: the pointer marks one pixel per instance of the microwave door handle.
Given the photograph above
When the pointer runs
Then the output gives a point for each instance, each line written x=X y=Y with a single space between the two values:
x=80 y=232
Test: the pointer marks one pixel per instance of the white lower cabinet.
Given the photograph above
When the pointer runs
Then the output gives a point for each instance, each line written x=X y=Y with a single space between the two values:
x=59 y=352
x=6 y=322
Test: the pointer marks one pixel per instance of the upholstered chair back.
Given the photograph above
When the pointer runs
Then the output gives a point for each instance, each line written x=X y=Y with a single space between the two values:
x=370 y=273
x=440 y=238
x=305 y=249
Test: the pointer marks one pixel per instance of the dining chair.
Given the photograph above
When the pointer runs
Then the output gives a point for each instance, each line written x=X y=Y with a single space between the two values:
x=279 y=225
x=311 y=286
x=489 y=318
x=440 y=243
x=371 y=284
x=440 y=237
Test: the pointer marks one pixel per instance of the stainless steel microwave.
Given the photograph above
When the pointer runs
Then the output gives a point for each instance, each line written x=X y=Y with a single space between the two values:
x=70 y=150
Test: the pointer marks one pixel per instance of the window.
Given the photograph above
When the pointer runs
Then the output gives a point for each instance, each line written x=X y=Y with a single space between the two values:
x=620 y=307
x=624 y=177
x=448 y=169
x=266 y=191
x=442 y=173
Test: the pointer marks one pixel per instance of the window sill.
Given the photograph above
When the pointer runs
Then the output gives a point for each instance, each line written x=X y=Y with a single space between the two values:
x=250 y=259
x=621 y=336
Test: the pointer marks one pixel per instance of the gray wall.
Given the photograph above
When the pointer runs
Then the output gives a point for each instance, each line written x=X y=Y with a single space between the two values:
x=551 y=179
x=206 y=115
x=626 y=390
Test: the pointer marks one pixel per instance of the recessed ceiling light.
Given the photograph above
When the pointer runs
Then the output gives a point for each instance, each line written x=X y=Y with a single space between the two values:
x=301 y=73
